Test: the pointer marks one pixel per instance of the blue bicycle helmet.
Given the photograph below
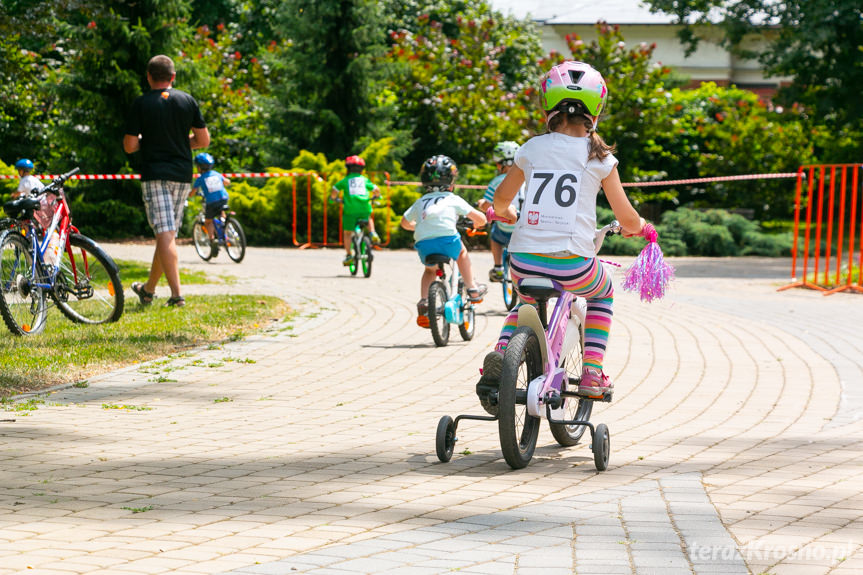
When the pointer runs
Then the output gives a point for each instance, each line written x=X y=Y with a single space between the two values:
x=24 y=164
x=204 y=159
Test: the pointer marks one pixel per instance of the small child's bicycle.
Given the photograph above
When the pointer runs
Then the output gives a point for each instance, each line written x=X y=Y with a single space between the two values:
x=57 y=263
x=542 y=368
x=448 y=300
x=229 y=233
x=362 y=249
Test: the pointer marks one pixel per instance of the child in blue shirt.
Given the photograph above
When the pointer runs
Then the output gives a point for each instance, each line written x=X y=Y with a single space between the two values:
x=433 y=220
x=210 y=184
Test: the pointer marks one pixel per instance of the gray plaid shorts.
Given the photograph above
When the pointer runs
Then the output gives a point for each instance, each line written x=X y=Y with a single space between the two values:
x=165 y=202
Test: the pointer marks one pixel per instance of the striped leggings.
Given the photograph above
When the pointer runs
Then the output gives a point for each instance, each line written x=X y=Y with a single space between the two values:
x=581 y=276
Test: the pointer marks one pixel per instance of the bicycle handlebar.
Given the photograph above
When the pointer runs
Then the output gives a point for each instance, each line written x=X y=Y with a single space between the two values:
x=56 y=182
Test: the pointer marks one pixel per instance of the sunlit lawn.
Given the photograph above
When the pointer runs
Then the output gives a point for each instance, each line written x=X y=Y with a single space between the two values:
x=67 y=352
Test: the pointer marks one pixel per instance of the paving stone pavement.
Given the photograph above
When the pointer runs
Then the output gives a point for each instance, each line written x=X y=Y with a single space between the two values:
x=735 y=431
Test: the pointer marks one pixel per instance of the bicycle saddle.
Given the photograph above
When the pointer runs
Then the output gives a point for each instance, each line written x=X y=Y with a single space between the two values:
x=21 y=207
x=432 y=259
x=538 y=288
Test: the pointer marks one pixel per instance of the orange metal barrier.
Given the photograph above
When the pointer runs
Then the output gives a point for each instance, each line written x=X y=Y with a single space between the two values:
x=309 y=243
x=825 y=185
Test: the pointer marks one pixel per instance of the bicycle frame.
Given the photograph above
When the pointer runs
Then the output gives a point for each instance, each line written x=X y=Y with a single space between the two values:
x=454 y=307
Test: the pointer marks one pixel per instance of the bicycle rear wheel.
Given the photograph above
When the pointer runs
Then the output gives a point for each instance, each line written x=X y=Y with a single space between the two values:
x=366 y=255
x=518 y=430
x=355 y=255
x=235 y=240
x=202 y=241
x=437 y=299
x=573 y=408
x=88 y=288
x=22 y=304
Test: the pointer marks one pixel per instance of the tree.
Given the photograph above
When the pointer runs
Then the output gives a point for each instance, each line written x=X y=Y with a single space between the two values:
x=465 y=82
x=819 y=44
x=325 y=79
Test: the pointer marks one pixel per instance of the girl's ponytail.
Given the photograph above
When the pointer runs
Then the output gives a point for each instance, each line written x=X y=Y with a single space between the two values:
x=574 y=113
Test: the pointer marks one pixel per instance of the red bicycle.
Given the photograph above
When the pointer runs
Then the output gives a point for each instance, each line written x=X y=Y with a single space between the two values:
x=55 y=263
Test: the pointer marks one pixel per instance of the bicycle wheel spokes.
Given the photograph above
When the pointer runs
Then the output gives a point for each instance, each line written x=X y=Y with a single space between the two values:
x=235 y=240
x=88 y=288
x=437 y=299
x=574 y=408
x=22 y=304
x=202 y=241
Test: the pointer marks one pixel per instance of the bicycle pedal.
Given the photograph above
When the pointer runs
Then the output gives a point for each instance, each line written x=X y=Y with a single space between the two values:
x=423 y=321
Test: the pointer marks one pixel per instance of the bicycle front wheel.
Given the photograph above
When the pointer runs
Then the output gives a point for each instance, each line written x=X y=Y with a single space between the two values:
x=355 y=256
x=235 y=240
x=437 y=313
x=88 y=288
x=468 y=326
x=518 y=430
x=366 y=255
x=22 y=304
x=202 y=241
x=573 y=408
x=510 y=296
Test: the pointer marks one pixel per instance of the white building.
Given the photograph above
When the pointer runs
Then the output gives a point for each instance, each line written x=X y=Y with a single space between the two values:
x=710 y=62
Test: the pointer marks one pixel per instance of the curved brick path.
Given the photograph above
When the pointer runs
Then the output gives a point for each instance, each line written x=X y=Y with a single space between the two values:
x=736 y=437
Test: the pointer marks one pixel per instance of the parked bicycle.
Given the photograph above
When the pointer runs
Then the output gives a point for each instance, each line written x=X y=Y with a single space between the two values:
x=57 y=264
x=542 y=368
x=229 y=234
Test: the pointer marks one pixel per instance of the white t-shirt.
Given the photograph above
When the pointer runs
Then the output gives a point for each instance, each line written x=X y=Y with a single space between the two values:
x=436 y=214
x=29 y=183
x=559 y=211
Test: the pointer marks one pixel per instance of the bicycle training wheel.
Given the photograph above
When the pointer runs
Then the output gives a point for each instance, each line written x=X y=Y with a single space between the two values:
x=202 y=241
x=88 y=288
x=510 y=296
x=437 y=315
x=235 y=240
x=22 y=304
x=467 y=327
x=518 y=430
x=366 y=255
x=573 y=408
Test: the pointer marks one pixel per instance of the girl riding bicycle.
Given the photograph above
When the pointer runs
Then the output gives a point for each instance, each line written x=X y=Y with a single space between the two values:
x=433 y=220
x=564 y=170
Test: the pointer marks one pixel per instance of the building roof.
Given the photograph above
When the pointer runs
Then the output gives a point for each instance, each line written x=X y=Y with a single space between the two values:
x=583 y=11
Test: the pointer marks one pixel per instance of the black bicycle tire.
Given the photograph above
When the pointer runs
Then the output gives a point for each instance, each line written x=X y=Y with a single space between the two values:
x=523 y=350
x=82 y=242
x=355 y=256
x=6 y=306
x=232 y=222
x=467 y=327
x=437 y=298
x=366 y=255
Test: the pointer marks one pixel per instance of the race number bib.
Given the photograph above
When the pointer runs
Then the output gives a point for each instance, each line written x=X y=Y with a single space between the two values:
x=357 y=187
x=549 y=198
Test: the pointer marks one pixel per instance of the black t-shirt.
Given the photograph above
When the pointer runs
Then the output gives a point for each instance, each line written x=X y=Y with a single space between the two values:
x=164 y=118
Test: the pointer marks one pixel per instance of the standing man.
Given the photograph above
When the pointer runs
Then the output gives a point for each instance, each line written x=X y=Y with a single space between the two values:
x=159 y=125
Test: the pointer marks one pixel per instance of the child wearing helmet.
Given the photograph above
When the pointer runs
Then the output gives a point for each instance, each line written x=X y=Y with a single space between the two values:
x=210 y=185
x=357 y=193
x=503 y=156
x=433 y=220
x=28 y=183
x=563 y=171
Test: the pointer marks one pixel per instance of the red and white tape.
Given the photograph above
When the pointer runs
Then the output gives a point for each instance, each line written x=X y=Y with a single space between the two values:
x=399 y=183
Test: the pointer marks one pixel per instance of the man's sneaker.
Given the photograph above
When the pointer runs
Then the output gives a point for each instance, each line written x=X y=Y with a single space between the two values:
x=495 y=274
x=423 y=313
x=475 y=294
x=594 y=384
x=349 y=259
x=489 y=383
x=376 y=239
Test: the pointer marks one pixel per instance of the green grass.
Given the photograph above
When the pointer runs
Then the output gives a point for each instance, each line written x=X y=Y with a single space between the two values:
x=67 y=352
x=135 y=271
